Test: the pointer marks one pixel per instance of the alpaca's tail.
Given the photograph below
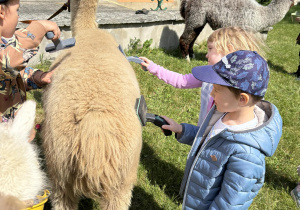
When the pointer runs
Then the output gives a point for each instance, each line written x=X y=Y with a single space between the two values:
x=107 y=145
x=183 y=8
x=83 y=15
x=8 y=202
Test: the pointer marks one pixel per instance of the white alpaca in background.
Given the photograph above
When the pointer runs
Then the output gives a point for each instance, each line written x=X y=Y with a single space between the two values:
x=20 y=173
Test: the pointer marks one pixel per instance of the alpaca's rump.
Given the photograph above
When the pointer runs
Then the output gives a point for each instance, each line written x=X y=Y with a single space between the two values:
x=96 y=153
x=92 y=136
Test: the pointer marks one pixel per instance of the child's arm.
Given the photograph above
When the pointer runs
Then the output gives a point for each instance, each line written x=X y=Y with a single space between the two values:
x=32 y=36
x=243 y=177
x=35 y=78
x=19 y=49
x=172 y=78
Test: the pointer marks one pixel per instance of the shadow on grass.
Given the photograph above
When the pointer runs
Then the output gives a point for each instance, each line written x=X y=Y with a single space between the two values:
x=37 y=96
x=176 y=53
x=279 y=69
x=84 y=204
x=142 y=200
x=200 y=56
x=278 y=179
x=162 y=173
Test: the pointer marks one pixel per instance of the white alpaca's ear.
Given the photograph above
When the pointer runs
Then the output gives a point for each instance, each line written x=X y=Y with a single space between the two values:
x=24 y=120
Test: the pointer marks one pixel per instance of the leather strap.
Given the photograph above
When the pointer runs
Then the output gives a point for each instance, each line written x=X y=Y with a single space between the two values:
x=64 y=7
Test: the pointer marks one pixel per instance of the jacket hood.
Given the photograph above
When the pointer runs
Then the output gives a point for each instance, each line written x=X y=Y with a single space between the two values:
x=265 y=137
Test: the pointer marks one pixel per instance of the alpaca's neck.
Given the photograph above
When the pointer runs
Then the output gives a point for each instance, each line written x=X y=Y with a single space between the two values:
x=276 y=10
x=83 y=15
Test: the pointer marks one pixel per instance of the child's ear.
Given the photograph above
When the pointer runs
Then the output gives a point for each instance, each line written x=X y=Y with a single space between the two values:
x=2 y=12
x=244 y=99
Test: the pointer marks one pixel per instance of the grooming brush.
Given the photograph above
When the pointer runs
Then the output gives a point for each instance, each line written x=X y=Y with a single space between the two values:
x=141 y=111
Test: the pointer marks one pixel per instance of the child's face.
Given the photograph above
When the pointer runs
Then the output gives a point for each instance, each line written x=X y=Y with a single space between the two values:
x=225 y=100
x=213 y=56
x=10 y=18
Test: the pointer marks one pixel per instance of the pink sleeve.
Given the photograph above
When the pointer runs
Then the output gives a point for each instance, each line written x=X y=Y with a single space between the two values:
x=173 y=78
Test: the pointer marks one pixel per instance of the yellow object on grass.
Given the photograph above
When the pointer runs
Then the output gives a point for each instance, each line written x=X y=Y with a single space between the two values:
x=42 y=200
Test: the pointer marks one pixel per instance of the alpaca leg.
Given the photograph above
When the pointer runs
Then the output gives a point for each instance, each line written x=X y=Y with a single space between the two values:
x=118 y=200
x=120 y=197
x=184 y=44
x=197 y=31
x=187 y=40
x=64 y=200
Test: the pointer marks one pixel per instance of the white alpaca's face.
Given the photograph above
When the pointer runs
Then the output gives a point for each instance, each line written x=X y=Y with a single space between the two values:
x=7 y=135
x=19 y=158
x=20 y=128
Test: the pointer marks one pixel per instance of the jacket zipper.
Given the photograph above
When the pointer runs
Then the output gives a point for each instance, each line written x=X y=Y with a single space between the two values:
x=194 y=162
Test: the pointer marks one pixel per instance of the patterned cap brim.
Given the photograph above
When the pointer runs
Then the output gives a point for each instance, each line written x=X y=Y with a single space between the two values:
x=208 y=74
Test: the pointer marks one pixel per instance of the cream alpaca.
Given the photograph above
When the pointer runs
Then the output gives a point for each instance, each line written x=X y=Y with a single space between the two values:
x=20 y=173
x=92 y=136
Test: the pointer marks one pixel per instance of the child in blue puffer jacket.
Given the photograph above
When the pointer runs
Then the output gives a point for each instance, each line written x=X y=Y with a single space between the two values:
x=225 y=168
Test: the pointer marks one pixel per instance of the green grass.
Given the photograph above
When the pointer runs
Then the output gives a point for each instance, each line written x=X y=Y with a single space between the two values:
x=163 y=158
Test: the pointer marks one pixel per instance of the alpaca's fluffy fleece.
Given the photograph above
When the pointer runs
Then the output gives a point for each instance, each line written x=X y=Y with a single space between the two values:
x=20 y=173
x=92 y=135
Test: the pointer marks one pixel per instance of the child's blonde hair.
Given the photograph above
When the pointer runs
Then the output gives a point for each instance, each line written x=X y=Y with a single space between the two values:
x=230 y=39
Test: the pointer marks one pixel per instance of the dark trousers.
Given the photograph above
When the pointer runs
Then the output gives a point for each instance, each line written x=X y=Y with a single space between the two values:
x=297 y=73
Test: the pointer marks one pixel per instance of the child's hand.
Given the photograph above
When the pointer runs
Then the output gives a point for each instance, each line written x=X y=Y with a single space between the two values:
x=51 y=26
x=174 y=126
x=146 y=61
x=32 y=135
x=47 y=78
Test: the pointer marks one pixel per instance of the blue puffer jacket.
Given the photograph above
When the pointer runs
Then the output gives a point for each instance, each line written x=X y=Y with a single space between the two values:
x=229 y=169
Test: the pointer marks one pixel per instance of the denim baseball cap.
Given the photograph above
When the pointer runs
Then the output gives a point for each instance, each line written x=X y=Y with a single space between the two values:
x=244 y=70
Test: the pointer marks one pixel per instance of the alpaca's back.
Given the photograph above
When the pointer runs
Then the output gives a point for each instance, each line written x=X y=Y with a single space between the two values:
x=242 y=13
x=92 y=136
x=20 y=173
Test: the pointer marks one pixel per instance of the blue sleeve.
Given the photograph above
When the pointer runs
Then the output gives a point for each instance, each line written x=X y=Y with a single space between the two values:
x=188 y=134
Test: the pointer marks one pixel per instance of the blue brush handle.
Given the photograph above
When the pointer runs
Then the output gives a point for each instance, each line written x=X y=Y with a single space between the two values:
x=49 y=35
x=136 y=60
x=132 y=58
x=58 y=44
